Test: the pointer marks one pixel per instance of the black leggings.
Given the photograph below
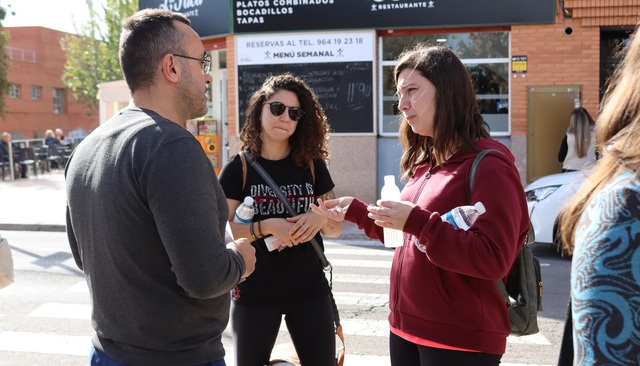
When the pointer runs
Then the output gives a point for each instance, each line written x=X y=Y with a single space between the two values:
x=405 y=353
x=310 y=324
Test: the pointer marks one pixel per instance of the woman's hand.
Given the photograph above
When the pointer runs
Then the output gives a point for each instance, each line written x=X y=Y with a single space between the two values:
x=334 y=209
x=306 y=226
x=390 y=214
x=279 y=228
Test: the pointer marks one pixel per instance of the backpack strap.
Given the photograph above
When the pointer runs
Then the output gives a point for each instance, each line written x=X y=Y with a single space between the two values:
x=472 y=172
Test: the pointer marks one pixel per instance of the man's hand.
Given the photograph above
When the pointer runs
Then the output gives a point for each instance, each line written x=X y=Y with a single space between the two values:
x=248 y=253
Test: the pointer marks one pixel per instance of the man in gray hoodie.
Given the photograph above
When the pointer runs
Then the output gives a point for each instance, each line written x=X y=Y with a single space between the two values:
x=146 y=214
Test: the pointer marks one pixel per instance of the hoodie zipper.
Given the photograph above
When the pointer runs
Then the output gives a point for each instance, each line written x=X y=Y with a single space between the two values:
x=406 y=241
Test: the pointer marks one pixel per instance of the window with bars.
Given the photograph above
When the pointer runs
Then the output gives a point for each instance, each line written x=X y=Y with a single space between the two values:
x=36 y=92
x=14 y=91
x=59 y=101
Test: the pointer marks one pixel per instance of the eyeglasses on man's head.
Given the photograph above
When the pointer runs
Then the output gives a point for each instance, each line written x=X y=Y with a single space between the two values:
x=205 y=60
x=278 y=108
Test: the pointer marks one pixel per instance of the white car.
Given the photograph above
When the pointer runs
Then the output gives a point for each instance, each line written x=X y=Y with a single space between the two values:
x=545 y=198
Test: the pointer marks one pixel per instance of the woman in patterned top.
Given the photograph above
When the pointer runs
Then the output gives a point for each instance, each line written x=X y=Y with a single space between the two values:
x=601 y=227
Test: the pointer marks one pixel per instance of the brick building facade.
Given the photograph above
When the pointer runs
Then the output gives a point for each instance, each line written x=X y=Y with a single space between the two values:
x=38 y=100
x=568 y=52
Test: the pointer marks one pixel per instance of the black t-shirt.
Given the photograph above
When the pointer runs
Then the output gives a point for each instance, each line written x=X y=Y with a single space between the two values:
x=293 y=274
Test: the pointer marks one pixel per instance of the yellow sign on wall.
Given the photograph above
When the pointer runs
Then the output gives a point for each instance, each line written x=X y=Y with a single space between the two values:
x=519 y=64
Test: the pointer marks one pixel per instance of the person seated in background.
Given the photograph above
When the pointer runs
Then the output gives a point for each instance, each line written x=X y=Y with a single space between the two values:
x=62 y=140
x=4 y=145
x=578 y=148
x=50 y=138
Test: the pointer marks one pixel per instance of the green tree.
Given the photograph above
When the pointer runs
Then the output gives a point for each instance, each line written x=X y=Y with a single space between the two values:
x=4 y=59
x=92 y=55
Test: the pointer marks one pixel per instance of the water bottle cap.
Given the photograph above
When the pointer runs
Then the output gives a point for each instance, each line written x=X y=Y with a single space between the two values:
x=389 y=179
x=480 y=207
x=248 y=200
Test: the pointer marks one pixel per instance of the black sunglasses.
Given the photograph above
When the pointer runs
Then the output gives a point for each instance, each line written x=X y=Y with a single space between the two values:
x=277 y=108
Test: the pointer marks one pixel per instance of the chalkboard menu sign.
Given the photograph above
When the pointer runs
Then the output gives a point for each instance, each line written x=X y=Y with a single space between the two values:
x=344 y=89
x=338 y=66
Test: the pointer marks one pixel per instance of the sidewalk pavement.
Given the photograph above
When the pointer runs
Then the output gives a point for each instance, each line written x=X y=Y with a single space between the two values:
x=33 y=204
x=38 y=204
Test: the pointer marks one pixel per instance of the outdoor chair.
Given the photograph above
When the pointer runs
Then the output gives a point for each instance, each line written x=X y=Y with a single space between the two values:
x=54 y=157
x=3 y=164
x=26 y=157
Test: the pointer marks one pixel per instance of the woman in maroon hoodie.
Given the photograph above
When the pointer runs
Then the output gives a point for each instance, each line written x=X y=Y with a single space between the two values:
x=445 y=307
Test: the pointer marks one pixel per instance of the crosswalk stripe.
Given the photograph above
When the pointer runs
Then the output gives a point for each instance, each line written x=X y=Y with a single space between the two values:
x=363 y=328
x=62 y=311
x=80 y=346
x=80 y=287
x=530 y=339
x=45 y=343
x=361 y=299
x=363 y=263
x=356 y=278
x=350 y=359
x=358 y=252
x=355 y=242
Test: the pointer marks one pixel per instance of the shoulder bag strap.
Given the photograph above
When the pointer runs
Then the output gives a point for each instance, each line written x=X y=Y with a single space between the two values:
x=323 y=259
x=472 y=172
x=244 y=170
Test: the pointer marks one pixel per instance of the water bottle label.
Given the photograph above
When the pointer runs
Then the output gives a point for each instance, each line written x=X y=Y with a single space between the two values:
x=448 y=217
x=241 y=220
x=392 y=238
x=458 y=219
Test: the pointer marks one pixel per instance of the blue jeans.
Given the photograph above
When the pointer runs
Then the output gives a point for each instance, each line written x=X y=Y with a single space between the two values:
x=100 y=359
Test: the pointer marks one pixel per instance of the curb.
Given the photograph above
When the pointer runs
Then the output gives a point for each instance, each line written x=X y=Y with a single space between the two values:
x=32 y=227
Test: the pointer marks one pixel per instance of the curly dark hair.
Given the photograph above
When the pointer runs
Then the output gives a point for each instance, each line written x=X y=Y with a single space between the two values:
x=310 y=139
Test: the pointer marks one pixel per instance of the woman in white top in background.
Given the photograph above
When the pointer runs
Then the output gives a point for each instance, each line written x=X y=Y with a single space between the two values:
x=578 y=148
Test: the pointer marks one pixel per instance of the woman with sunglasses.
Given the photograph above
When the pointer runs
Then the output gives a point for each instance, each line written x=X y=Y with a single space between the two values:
x=286 y=132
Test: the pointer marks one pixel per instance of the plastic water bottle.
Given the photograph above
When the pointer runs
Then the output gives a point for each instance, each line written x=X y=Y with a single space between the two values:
x=391 y=192
x=463 y=217
x=244 y=212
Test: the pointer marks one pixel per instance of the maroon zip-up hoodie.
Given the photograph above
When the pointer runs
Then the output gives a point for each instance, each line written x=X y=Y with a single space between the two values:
x=442 y=286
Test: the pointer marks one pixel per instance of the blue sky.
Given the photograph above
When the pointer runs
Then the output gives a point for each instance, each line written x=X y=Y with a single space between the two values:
x=54 y=14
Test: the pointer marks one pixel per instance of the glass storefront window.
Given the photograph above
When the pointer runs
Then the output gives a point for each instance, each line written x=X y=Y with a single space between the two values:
x=486 y=56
